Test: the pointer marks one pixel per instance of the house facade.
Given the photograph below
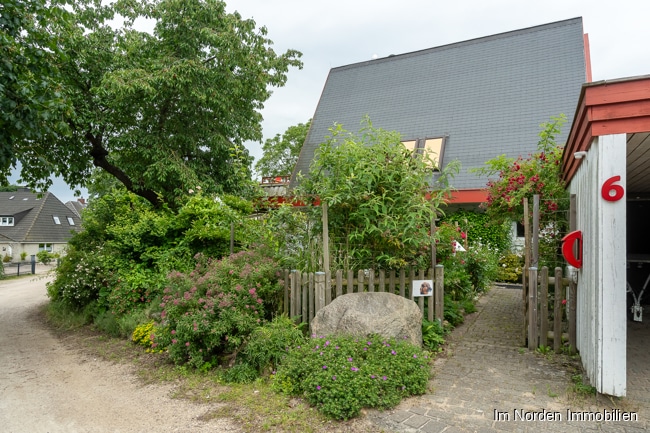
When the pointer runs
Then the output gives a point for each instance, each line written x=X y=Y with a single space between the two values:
x=468 y=101
x=29 y=223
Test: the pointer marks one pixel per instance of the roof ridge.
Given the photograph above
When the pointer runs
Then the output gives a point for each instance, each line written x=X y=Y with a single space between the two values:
x=471 y=41
x=46 y=195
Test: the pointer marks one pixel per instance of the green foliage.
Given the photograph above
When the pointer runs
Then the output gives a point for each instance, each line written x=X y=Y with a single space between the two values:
x=45 y=257
x=214 y=309
x=521 y=178
x=23 y=255
x=6 y=258
x=161 y=111
x=281 y=152
x=127 y=248
x=341 y=375
x=31 y=102
x=294 y=235
x=433 y=335
x=510 y=268
x=481 y=228
x=376 y=190
x=265 y=350
x=453 y=312
x=80 y=278
x=2 y=272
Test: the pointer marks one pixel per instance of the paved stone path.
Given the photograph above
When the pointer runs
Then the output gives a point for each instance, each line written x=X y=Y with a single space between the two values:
x=487 y=378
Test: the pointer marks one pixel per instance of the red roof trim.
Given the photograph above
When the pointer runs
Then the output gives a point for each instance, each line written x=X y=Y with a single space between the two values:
x=604 y=108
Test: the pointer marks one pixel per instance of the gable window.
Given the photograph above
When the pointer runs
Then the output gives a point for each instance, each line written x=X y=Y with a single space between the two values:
x=6 y=221
x=70 y=221
x=56 y=219
x=45 y=247
x=432 y=148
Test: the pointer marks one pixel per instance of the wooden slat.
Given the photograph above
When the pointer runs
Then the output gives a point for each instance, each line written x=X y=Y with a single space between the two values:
x=557 y=312
x=532 y=309
x=307 y=301
x=391 y=281
x=371 y=281
x=402 y=283
x=350 y=287
x=312 y=297
x=360 y=276
x=339 y=283
x=439 y=293
x=430 y=303
x=543 y=313
x=382 y=280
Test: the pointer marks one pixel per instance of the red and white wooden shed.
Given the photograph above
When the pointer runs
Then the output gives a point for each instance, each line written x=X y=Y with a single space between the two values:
x=606 y=165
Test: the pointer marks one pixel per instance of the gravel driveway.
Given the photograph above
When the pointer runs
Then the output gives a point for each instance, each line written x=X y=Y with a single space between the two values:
x=46 y=386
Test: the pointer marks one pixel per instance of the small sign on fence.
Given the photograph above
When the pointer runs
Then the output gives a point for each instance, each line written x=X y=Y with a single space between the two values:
x=422 y=288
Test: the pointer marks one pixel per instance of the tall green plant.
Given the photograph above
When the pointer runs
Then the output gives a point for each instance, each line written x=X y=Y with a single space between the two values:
x=381 y=196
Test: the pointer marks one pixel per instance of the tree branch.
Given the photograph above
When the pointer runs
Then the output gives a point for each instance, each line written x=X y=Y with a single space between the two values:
x=99 y=154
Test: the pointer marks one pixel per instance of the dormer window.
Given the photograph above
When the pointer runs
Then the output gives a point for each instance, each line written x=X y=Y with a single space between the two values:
x=56 y=219
x=7 y=221
x=431 y=147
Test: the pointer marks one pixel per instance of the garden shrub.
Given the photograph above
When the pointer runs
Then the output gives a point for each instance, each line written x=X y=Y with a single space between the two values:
x=267 y=346
x=341 y=375
x=510 y=268
x=44 y=257
x=453 y=313
x=213 y=310
x=433 y=335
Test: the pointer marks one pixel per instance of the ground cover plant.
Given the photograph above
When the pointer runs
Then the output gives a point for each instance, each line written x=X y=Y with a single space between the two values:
x=341 y=375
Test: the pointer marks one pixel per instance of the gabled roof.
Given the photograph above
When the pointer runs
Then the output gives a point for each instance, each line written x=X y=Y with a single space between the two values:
x=487 y=95
x=34 y=217
x=76 y=206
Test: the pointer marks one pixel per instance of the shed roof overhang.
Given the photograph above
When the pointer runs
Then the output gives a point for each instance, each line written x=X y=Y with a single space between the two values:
x=606 y=107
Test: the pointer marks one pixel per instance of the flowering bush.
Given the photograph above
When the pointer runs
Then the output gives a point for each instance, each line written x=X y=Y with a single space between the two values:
x=341 y=375
x=80 y=278
x=213 y=310
x=510 y=268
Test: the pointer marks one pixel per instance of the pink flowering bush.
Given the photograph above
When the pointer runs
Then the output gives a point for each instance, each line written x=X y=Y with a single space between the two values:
x=211 y=311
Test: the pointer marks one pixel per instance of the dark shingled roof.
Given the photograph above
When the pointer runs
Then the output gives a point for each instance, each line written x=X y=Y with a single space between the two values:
x=34 y=217
x=488 y=95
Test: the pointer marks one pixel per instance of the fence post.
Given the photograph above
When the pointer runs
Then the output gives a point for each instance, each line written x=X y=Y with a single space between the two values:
x=319 y=292
x=543 y=331
x=350 y=285
x=285 y=306
x=326 y=239
x=524 y=275
x=421 y=298
x=572 y=317
x=328 y=288
x=295 y=293
x=360 y=281
x=382 y=280
x=430 y=306
x=371 y=281
x=312 y=299
x=532 y=308
x=402 y=283
x=557 y=311
x=305 y=297
x=339 y=283
x=439 y=294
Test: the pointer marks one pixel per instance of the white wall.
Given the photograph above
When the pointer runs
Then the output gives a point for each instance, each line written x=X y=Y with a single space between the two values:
x=601 y=318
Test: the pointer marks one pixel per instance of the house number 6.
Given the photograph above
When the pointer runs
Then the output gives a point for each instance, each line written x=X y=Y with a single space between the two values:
x=612 y=191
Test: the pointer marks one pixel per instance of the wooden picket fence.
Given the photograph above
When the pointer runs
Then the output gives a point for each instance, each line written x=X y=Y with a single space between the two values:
x=561 y=324
x=306 y=293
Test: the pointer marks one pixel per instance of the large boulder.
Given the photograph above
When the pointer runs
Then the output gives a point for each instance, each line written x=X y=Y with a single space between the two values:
x=362 y=314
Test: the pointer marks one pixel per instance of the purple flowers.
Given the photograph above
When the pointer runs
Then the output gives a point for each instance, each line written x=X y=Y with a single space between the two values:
x=354 y=369
x=349 y=359
x=324 y=367
x=318 y=387
x=333 y=377
x=384 y=378
x=392 y=352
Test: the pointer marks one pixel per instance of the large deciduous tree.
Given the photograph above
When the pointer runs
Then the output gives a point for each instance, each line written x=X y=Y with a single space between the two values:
x=161 y=111
x=281 y=152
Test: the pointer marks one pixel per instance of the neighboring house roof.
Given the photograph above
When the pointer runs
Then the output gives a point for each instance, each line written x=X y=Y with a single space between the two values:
x=34 y=217
x=488 y=96
x=76 y=206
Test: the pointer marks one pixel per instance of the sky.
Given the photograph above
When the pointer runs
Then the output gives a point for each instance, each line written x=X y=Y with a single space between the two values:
x=334 y=33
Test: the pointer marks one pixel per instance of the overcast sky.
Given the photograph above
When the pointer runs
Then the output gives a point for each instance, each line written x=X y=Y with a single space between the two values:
x=333 y=33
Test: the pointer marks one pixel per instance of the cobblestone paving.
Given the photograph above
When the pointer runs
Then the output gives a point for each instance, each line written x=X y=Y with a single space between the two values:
x=487 y=383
